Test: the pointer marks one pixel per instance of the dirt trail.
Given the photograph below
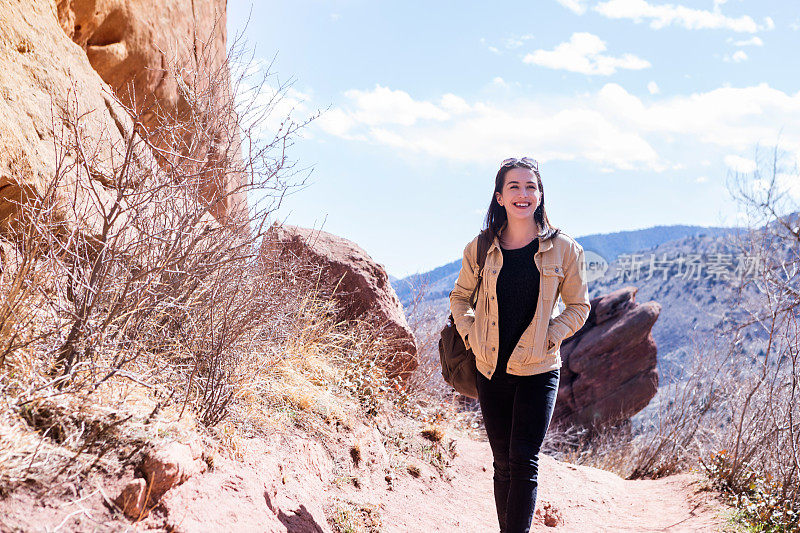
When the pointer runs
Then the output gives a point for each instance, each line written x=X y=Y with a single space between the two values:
x=588 y=499
x=294 y=484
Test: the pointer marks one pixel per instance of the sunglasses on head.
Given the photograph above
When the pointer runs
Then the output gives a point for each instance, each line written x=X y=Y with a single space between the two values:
x=525 y=161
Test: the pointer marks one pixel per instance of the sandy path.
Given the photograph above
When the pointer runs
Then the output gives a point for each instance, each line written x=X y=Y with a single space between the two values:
x=588 y=499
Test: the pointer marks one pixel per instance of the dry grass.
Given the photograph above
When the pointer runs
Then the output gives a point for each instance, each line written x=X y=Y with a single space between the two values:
x=736 y=416
x=134 y=315
x=350 y=517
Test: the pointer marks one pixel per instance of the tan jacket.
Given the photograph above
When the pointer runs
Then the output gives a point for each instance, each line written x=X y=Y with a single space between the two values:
x=562 y=268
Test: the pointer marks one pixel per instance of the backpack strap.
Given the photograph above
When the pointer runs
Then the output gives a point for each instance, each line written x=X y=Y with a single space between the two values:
x=483 y=250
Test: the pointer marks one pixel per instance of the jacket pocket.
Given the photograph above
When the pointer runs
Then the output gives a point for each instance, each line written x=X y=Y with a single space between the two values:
x=472 y=334
x=551 y=344
x=551 y=277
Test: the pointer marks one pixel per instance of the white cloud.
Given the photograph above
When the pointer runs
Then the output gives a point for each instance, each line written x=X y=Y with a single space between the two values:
x=789 y=183
x=454 y=104
x=516 y=42
x=737 y=57
x=652 y=87
x=337 y=123
x=266 y=110
x=701 y=179
x=500 y=82
x=576 y=6
x=740 y=164
x=753 y=41
x=385 y=106
x=610 y=128
x=583 y=54
x=494 y=50
x=664 y=15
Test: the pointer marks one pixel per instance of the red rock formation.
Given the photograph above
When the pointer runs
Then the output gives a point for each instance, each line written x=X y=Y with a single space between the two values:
x=129 y=43
x=163 y=469
x=609 y=366
x=46 y=81
x=135 y=46
x=359 y=285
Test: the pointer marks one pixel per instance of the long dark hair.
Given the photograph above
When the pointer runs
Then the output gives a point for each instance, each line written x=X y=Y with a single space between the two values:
x=496 y=216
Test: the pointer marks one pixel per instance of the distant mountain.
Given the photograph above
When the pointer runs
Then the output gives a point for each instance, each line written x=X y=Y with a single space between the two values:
x=438 y=283
x=611 y=245
x=687 y=279
x=693 y=278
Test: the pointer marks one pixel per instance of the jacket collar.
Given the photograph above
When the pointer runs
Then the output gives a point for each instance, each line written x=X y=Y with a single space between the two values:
x=543 y=245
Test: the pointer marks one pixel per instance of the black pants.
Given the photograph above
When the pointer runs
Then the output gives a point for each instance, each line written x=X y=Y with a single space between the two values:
x=516 y=412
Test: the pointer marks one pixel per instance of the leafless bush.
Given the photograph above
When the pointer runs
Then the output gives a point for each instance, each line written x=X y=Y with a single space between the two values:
x=737 y=412
x=426 y=324
x=681 y=425
x=142 y=259
x=761 y=446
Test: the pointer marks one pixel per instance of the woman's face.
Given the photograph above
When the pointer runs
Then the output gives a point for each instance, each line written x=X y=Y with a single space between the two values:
x=520 y=195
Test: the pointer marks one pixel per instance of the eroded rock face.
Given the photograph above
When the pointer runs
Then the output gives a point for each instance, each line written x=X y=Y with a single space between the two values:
x=130 y=42
x=359 y=285
x=46 y=82
x=136 y=46
x=609 y=366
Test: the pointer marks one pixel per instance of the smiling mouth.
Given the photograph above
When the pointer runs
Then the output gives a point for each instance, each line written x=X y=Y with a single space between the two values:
x=522 y=204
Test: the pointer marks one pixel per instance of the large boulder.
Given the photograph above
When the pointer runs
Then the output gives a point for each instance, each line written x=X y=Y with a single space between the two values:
x=609 y=366
x=130 y=43
x=359 y=286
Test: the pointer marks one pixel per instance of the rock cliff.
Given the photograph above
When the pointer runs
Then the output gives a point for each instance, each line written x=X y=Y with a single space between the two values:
x=82 y=63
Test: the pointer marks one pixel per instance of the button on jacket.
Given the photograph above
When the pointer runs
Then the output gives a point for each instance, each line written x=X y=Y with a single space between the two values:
x=562 y=269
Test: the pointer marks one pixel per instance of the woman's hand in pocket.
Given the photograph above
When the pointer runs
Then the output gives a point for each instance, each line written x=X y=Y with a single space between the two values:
x=551 y=341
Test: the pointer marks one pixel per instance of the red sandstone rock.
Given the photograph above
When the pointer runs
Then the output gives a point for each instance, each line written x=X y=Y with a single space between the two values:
x=133 y=499
x=44 y=79
x=359 y=285
x=609 y=366
x=129 y=43
x=132 y=44
x=168 y=467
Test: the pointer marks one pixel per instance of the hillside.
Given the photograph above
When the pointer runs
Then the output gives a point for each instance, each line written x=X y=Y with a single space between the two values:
x=693 y=310
x=438 y=282
x=171 y=361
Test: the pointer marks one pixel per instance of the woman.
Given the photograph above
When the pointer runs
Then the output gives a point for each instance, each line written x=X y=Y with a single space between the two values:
x=515 y=330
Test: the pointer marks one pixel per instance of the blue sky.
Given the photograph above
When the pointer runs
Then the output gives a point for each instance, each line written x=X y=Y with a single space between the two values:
x=637 y=110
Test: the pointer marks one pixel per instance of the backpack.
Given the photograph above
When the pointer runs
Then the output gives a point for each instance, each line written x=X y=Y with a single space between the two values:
x=458 y=363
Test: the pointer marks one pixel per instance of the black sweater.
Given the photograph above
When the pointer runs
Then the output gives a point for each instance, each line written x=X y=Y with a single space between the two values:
x=517 y=295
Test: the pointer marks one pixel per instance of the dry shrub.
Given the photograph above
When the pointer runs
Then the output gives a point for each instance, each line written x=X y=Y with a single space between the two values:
x=427 y=325
x=145 y=263
x=157 y=275
x=431 y=398
x=736 y=413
